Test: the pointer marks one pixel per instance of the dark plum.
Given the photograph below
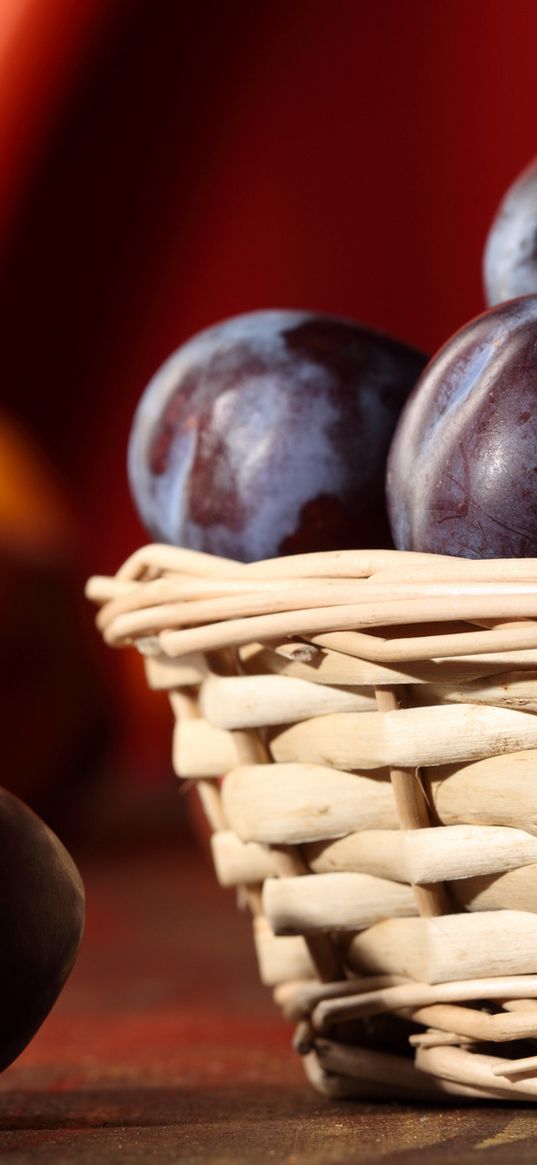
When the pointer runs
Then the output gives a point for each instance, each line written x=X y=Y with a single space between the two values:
x=462 y=469
x=510 y=258
x=41 y=923
x=268 y=434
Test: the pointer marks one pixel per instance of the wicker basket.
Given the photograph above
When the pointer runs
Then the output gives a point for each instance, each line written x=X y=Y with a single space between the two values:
x=375 y=716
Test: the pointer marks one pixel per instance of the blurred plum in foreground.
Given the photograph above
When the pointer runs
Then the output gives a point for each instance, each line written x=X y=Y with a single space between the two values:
x=41 y=923
x=510 y=258
x=462 y=470
x=267 y=434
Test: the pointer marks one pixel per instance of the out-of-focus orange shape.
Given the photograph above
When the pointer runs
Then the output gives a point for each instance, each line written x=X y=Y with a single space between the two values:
x=43 y=44
x=35 y=517
x=54 y=719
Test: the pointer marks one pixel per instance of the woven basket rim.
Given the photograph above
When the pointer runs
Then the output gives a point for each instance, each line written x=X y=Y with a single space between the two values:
x=193 y=601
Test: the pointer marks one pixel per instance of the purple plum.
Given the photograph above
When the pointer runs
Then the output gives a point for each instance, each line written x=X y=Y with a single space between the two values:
x=41 y=923
x=510 y=258
x=268 y=434
x=462 y=469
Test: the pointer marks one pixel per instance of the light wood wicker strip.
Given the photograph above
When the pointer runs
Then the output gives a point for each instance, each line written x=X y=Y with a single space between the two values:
x=373 y=716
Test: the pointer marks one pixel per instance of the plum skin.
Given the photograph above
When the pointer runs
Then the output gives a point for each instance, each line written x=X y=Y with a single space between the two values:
x=268 y=433
x=42 y=912
x=462 y=469
x=510 y=255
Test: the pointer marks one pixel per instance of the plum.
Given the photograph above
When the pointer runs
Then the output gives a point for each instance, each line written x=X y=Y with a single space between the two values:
x=41 y=923
x=462 y=468
x=268 y=433
x=510 y=258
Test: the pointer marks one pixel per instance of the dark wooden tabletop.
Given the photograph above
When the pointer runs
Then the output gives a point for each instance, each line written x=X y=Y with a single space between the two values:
x=163 y=1047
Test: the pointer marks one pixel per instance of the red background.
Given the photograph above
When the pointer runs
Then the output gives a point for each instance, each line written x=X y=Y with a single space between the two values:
x=167 y=164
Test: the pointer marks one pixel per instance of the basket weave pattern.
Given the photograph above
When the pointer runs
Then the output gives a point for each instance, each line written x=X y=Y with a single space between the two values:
x=374 y=714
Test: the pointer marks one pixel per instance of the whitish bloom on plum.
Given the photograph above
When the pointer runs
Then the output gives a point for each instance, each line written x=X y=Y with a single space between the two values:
x=268 y=434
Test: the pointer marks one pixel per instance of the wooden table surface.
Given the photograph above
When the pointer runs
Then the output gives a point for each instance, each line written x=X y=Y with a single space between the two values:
x=164 y=1048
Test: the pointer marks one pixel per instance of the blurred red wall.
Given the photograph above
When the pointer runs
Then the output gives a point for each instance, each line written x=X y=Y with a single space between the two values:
x=200 y=160
x=211 y=159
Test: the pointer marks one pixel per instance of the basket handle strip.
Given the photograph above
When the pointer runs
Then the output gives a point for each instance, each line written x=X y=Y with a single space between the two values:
x=501 y=648
x=408 y=995
x=527 y=1064
x=161 y=557
x=163 y=602
x=318 y=621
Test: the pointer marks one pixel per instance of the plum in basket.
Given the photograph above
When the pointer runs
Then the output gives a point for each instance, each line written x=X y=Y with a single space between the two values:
x=462 y=469
x=268 y=434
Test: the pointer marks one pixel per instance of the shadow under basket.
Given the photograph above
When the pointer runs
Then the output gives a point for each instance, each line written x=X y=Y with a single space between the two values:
x=375 y=716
